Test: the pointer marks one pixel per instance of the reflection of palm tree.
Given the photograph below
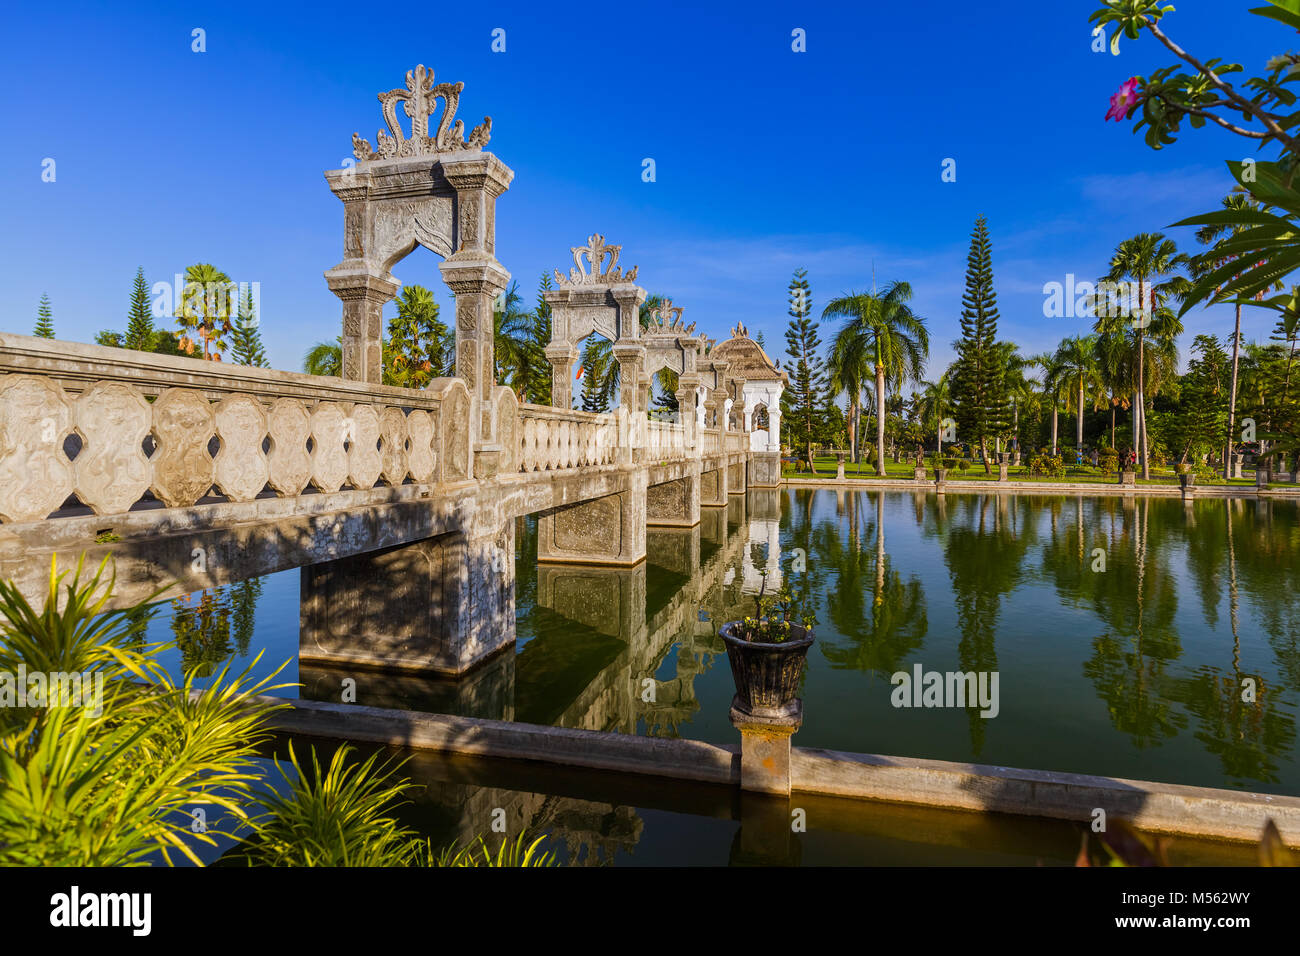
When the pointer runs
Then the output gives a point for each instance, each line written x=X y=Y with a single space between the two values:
x=880 y=637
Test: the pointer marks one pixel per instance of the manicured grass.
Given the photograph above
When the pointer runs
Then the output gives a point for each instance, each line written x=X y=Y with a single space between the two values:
x=826 y=468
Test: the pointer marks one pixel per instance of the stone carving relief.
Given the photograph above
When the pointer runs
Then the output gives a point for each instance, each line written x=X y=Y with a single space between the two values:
x=35 y=475
x=183 y=471
x=393 y=435
x=596 y=251
x=111 y=470
x=594 y=528
x=667 y=500
x=242 y=471
x=420 y=457
x=455 y=436
x=289 y=424
x=364 y=463
x=419 y=101
x=329 y=459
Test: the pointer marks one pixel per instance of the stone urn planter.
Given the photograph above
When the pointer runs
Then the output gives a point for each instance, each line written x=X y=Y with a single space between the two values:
x=766 y=674
x=941 y=475
x=1187 y=479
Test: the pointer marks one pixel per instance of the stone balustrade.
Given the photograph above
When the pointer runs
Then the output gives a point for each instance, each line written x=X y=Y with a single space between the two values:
x=551 y=439
x=666 y=441
x=711 y=441
x=117 y=427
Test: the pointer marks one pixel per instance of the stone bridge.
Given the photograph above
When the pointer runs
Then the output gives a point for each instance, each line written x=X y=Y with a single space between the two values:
x=398 y=504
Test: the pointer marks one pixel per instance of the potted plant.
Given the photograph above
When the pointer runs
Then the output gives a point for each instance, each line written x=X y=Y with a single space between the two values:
x=767 y=653
x=1186 y=475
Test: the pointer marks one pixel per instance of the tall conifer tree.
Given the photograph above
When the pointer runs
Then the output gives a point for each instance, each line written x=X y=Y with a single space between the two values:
x=44 y=319
x=139 y=320
x=803 y=402
x=980 y=404
x=246 y=340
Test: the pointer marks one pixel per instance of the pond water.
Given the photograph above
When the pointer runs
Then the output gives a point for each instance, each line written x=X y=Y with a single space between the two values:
x=1145 y=638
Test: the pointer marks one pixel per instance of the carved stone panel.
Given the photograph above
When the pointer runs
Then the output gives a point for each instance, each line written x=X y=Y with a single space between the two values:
x=393 y=458
x=508 y=431
x=111 y=469
x=667 y=500
x=329 y=458
x=591 y=528
x=420 y=459
x=35 y=475
x=183 y=471
x=363 y=453
x=242 y=468
x=289 y=424
x=455 y=436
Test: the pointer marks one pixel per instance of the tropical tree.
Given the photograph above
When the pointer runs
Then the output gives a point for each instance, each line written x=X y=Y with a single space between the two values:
x=881 y=330
x=1076 y=358
x=44 y=319
x=539 y=386
x=419 y=348
x=1053 y=380
x=325 y=358
x=933 y=407
x=204 y=312
x=1154 y=264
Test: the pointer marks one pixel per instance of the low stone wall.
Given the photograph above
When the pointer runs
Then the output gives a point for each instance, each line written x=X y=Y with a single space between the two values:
x=978 y=486
x=1199 y=812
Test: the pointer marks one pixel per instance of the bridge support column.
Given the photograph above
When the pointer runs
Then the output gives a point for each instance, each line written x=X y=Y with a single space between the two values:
x=713 y=486
x=675 y=503
x=765 y=469
x=439 y=605
x=606 y=531
x=737 y=478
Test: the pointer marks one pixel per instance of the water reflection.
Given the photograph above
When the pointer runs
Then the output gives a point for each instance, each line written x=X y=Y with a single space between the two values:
x=1143 y=638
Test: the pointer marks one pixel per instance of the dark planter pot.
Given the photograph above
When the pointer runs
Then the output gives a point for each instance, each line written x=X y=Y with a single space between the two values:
x=767 y=675
x=940 y=474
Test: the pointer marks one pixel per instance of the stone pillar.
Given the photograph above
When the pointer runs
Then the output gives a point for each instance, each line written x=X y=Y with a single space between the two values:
x=1236 y=465
x=1002 y=469
x=363 y=297
x=839 y=466
x=765 y=749
x=440 y=605
x=713 y=488
x=737 y=478
x=765 y=469
x=631 y=371
x=477 y=281
x=687 y=395
x=561 y=357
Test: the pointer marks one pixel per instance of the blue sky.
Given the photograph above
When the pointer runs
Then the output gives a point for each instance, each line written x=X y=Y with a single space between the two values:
x=766 y=160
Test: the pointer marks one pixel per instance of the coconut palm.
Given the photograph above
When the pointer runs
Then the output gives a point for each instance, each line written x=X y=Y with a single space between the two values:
x=933 y=403
x=518 y=356
x=325 y=358
x=1053 y=379
x=881 y=330
x=205 y=310
x=1077 y=358
x=1146 y=260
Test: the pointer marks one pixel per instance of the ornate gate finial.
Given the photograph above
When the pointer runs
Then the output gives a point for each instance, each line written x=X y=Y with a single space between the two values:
x=595 y=252
x=419 y=101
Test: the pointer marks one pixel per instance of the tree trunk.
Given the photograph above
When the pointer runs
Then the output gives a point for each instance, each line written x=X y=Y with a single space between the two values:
x=1054 y=419
x=880 y=421
x=1078 y=443
x=1142 y=391
x=1232 y=396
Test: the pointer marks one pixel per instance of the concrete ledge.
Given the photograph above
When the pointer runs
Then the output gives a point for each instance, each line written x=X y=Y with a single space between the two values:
x=977 y=486
x=1155 y=807
x=1200 y=812
x=681 y=759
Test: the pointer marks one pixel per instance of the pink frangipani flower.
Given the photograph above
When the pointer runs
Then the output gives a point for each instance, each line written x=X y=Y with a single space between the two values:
x=1122 y=101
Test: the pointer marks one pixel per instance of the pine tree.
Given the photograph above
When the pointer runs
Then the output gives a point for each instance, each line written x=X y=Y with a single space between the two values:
x=539 y=391
x=802 y=404
x=1201 y=424
x=246 y=340
x=44 y=319
x=139 y=319
x=980 y=403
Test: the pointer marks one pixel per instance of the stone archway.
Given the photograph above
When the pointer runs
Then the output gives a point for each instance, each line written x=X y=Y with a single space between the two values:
x=437 y=190
x=596 y=296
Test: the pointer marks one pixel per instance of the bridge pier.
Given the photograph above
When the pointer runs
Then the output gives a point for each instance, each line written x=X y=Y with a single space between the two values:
x=737 y=478
x=675 y=503
x=442 y=604
x=713 y=486
x=605 y=531
x=765 y=469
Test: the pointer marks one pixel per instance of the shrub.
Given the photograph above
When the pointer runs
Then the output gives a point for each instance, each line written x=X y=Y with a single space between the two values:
x=950 y=463
x=1047 y=465
x=1109 y=464
x=963 y=464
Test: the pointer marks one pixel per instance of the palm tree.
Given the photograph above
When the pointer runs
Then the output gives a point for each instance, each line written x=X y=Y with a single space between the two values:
x=325 y=358
x=1201 y=266
x=206 y=308
x=420 y=347
x=849 y=371
x=1014 y=382
x=1053 y=378
x=514 y=347
x=1076 y=357
x=934 y=401
x=884 y=330
x=1146 y=259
